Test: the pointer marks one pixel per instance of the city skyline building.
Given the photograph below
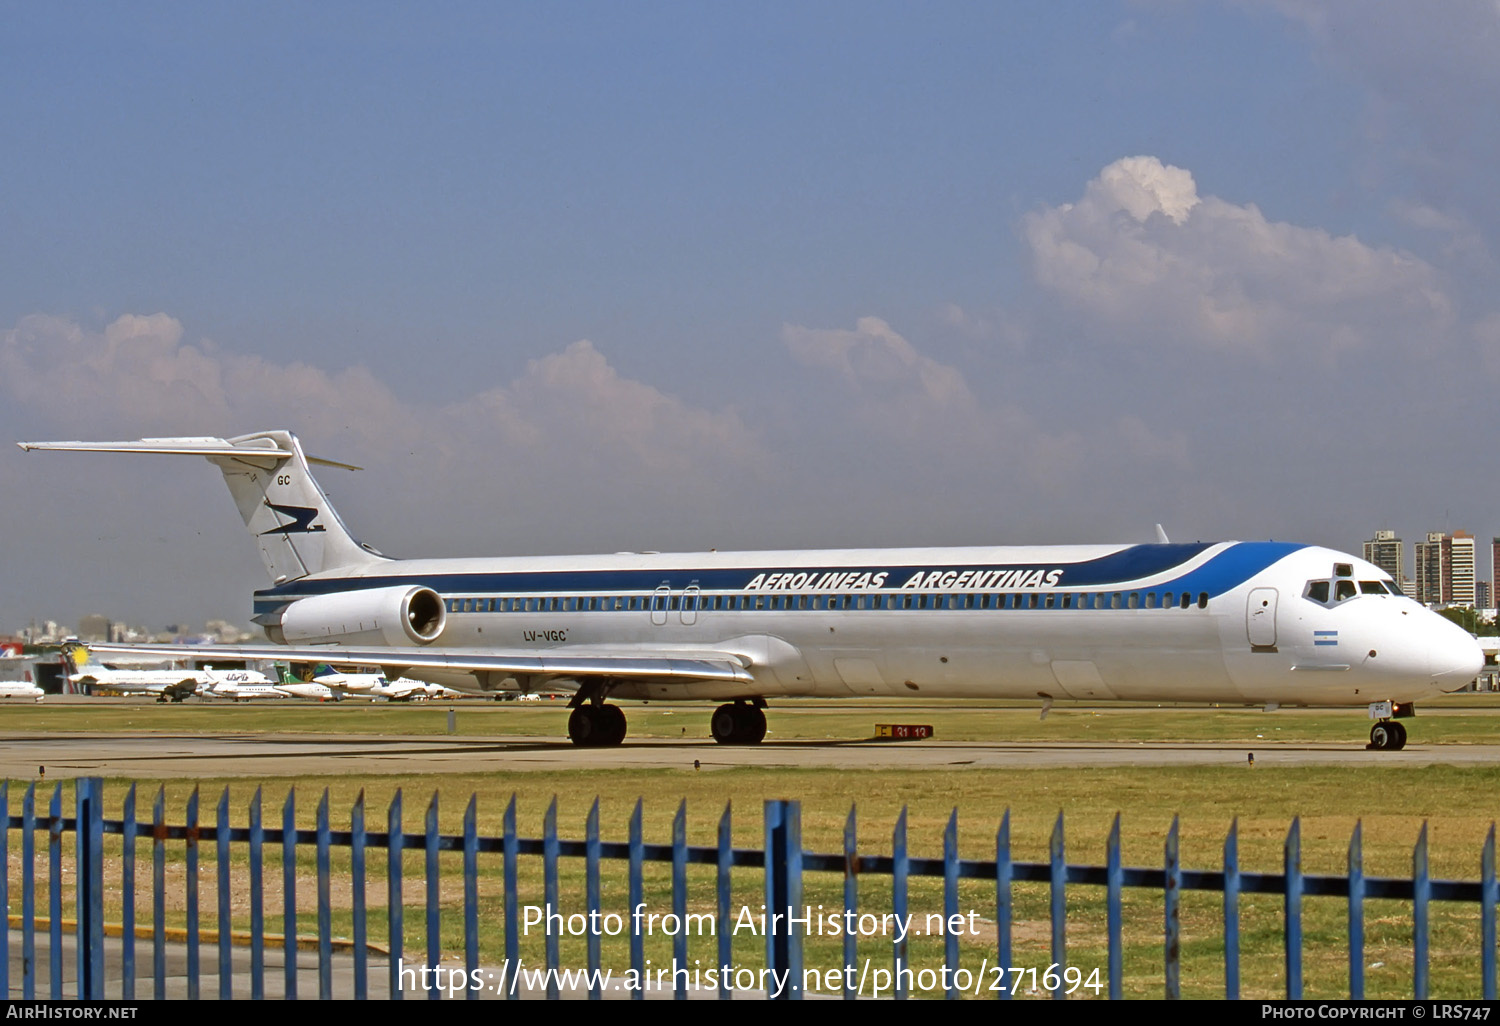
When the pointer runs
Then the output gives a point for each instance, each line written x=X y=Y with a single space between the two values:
x=1445 y=569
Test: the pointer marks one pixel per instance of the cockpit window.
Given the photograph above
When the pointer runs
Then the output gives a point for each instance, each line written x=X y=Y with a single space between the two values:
x=1390 y=586
x=1343 y=570
x=1371 y=588
x=1343 y=590
x=1317 y=591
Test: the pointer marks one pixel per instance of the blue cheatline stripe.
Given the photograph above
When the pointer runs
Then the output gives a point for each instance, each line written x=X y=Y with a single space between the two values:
x=1224 y=571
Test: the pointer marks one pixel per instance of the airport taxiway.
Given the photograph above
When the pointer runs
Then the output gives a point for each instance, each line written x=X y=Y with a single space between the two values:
x=192 y=756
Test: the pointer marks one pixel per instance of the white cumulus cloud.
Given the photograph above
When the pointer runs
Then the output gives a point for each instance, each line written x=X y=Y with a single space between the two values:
x=1145 y=258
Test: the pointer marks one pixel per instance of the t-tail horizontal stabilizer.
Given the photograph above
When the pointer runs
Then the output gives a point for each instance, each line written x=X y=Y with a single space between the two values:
x=292 y=521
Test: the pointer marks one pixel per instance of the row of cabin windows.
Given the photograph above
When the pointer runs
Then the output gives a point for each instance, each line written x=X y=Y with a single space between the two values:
x=663 y=601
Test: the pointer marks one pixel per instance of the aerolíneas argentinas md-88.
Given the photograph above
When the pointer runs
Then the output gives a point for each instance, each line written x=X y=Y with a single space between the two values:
x=1230 y=622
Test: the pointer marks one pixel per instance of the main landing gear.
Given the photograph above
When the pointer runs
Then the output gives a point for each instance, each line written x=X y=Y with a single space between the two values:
x=738 y=723
x=596 y=726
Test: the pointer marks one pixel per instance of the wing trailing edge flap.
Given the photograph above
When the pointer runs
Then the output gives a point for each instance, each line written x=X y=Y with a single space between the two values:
x=635 y=664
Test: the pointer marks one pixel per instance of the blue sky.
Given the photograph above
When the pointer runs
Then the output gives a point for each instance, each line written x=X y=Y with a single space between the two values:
x=586 y=277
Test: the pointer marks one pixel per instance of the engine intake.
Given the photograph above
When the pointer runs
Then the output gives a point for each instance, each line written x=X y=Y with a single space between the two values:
x=396 y=616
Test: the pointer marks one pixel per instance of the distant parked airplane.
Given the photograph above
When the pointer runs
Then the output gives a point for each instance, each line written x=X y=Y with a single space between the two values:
x=20 y=689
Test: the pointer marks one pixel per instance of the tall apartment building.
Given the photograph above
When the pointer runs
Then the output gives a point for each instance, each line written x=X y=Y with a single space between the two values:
x=1388 y=552
x=1445 y=569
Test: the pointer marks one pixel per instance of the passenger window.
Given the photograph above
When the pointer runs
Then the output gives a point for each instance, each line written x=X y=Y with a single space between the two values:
x=1167 y=601
x=1203 y=600
x=1134 y=600
x=1344 y=590
x=1150 y=600
x=1318 y=591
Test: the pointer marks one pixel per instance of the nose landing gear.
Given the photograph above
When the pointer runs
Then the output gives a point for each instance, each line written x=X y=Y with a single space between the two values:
x=1387 y=736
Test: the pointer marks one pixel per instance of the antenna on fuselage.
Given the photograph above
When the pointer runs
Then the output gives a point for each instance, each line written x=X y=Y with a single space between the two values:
x=1161 y=536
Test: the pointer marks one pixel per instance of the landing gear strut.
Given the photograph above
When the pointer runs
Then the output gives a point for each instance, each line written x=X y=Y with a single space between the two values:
x=1387 y=736
x=738 y=723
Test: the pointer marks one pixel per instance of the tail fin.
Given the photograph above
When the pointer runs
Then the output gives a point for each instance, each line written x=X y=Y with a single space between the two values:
x=283 y=507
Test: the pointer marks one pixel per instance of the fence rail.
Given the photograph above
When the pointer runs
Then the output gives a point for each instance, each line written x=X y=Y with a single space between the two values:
x=782 y=860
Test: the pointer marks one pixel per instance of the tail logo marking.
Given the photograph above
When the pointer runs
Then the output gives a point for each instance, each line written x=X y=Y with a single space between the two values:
x=301 y=522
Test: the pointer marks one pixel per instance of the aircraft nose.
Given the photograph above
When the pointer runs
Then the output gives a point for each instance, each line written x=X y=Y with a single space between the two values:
x=1454 y=658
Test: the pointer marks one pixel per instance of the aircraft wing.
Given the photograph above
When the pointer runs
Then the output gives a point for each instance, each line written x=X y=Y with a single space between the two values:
x=619 y=663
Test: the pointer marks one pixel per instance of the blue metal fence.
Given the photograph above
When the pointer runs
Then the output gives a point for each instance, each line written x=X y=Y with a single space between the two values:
x=783 y=862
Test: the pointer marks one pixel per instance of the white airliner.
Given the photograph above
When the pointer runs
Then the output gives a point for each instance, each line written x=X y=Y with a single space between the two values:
x=168 y=685
x=1230 y=622
x=239 y=686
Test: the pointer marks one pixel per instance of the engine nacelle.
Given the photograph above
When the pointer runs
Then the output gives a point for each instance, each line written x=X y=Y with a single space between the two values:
x=399 y=616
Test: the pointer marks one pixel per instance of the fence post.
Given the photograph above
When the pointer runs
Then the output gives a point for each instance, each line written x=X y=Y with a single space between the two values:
x=325 y=900
x=1059 y=905
x=899 y=868
x=190 y=887
x=550 y=851
x=54 y=886
x=783 y=896
x=726 y=935
x=679 y=901
x=1421 y=892
x=257 y=901
x=950 y=905
x=1114 y=876
x=851 y=905
x=1488 y=894
x=512 y=846
x=1292 y=858
x=1357 y=914
x=127 y=901
x=90 y=874
x=1003 y=905
x=359 y=915
x=226 y=915
x=1232 y=912
x=1173 y=926
x=471 y=895
x=434 y=897
x=5 y=885
x=635 y=888
x=289 y=893
x=395 y=849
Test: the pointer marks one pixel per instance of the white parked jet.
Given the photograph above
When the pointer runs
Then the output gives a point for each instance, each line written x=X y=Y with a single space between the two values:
x=1229 y=622
x=239 y=686
x=172 y=684
x=20 y=689
x=375 y=686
